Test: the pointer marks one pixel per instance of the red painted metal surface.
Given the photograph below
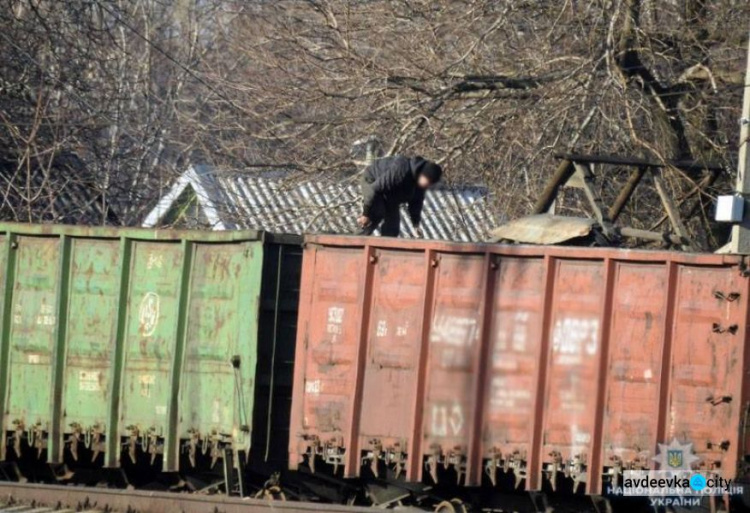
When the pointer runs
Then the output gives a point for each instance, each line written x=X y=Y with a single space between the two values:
x=575 y=344
x=516 y=366
x=390 y=375
x=516 y=328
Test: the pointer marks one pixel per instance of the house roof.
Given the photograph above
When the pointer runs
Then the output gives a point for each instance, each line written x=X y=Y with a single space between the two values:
x=62 y=191
x=282 y=202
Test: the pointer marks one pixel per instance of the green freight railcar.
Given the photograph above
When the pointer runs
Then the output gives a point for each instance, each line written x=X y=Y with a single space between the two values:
x=135 y=344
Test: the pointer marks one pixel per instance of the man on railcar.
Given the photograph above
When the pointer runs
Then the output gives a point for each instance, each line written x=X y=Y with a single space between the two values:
x=390 y=182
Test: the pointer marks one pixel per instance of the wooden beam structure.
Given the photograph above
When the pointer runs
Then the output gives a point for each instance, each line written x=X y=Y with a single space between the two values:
x=672 y=211
x=576 y=171
x=616 y=160
x=563 y=172
x=622 y=199
x=597 y=205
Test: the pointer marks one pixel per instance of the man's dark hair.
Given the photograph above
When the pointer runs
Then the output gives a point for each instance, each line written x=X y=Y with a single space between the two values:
x=433 y=172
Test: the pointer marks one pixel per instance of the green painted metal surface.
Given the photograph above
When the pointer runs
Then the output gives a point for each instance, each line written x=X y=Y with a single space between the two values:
x=32 y=336
x=150 y=338
x=140 y=339
x=219 y=303
x=90 y=337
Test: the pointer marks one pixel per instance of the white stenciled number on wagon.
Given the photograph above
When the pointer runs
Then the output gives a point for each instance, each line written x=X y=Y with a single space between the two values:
x=447 y=420
x=335 y=320
x=574 y=337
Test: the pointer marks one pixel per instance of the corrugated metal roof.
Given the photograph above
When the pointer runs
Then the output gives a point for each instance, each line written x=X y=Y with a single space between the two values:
x=284 y=202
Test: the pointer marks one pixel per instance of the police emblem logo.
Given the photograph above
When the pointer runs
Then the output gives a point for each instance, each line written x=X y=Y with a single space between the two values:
x=674 y=458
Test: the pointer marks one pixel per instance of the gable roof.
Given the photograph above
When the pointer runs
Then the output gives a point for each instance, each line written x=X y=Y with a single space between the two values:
x=282 y=202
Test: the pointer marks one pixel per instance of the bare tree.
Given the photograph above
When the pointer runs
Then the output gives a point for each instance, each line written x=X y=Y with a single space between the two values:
x=103 y=80
x=492 y=89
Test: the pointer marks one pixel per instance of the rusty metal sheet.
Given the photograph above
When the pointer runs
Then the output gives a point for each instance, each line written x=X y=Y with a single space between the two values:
x=515 y=336
x=393 y=345
x=543 y=229
x=449 y=399
x=530 y=362
x=327 y=348
x=707 y=369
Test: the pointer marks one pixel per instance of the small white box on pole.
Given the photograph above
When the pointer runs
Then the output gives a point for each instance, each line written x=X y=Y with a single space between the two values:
x=729 y=209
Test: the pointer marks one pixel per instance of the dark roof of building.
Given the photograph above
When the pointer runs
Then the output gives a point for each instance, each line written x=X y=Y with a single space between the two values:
x=61 y=191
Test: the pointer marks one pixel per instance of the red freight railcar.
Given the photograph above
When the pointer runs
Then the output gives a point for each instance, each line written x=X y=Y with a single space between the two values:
x=444 y=361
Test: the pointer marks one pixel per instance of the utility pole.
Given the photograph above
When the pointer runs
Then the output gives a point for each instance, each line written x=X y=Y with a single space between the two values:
x=741 y=232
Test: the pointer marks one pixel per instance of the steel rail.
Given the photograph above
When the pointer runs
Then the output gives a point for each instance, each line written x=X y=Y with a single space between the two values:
x=139 y=501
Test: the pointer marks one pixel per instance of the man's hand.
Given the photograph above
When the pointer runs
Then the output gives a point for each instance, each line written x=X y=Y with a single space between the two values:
x=363 y=221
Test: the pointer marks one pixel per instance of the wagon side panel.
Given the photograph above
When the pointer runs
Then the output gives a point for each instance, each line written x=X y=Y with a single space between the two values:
x=639 y=307
x=32 y=338
x=572 y=377
x=150 y=338
x=217 y=384
x=515 y=338
x=90 y=338
x=327 y=351
x=393 y=344
x=454 y=345
x=707 y=366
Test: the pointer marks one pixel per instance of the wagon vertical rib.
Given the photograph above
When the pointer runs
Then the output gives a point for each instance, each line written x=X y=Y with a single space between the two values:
x=55 y=444
x=351 y=441
x=535 y=463
x=112 y=453
x=595 y=463
x=480 y=386
x=10 y=245
x=666 y=358
x=172 y=440
x=416 y=450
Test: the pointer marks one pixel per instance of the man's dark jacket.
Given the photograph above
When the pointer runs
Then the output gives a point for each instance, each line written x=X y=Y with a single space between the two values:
x=395 y=179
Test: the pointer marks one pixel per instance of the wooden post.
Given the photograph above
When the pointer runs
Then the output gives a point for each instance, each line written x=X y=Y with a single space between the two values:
x=564 y=171
x=740 y=242
x=595 y=201
x=655 y=236
x=627 y=191
x=672 y=211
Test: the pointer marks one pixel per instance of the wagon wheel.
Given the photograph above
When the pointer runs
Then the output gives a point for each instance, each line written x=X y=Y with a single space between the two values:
x=451 y=506
x=272 y=493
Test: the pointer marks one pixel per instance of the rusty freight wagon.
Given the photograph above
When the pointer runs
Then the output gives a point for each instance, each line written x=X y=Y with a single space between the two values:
x=515 y=368
x=137 y=349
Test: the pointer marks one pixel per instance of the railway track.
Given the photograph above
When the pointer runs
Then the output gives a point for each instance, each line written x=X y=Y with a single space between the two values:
x=32 y=498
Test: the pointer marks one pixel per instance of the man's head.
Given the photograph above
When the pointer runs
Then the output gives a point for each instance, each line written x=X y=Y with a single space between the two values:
x=429 y=174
